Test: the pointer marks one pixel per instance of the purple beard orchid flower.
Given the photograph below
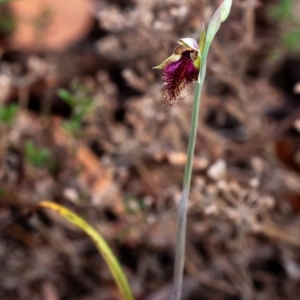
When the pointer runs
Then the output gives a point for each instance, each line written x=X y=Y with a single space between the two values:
x=180 y=71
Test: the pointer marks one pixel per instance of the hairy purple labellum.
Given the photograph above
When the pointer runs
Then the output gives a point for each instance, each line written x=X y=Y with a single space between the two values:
x=177 y=76
x=180 y=71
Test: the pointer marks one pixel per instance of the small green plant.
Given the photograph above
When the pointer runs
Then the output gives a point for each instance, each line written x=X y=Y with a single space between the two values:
x=38 y=157
x=8 y=113
x=282 y=10
x=7 y=117
x=7 y=25
x=283 y=14
x=79 y=100
x=5 y=1
x=2 y=192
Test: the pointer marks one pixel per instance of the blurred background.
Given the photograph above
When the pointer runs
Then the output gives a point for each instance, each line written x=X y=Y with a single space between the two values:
x=82 y=123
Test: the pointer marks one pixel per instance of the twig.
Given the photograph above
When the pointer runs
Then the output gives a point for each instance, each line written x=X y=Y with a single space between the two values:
x=278 y=234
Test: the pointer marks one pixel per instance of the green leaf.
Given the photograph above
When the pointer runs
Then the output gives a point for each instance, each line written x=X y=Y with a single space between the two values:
x=292 y=39
x=38 y=157
x=66 y=96
x=282 y=11
x=5 y=1
x=100 y=244
x=2 y=192
x=7 y=113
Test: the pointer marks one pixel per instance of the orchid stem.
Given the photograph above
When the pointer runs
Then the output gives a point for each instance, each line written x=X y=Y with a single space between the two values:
x=219 y=16
x=182 y=207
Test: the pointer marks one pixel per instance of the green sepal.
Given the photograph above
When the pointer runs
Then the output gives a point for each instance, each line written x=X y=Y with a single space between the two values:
x=170 y=59
x=197 y=62
x=184 y=44
x=202 y=39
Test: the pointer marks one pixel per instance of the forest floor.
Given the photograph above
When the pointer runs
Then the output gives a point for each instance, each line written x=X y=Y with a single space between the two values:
x=82 y=123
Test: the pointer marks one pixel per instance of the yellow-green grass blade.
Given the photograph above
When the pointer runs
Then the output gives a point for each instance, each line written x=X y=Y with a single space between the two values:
x=99 y=242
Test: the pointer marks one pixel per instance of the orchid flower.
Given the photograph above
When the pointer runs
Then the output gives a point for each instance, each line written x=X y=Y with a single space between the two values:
x=181 y=69
x=185 y=67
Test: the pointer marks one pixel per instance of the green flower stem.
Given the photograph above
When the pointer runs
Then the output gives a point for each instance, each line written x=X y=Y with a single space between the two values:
x=182 y=209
